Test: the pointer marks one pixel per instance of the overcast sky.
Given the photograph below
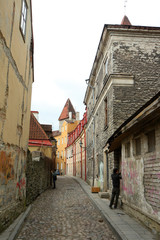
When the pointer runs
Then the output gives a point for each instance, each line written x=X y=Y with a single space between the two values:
x=66 y=37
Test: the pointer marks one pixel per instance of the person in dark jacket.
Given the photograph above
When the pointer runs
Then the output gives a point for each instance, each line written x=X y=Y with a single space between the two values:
x=116 y=176
x=54 y=175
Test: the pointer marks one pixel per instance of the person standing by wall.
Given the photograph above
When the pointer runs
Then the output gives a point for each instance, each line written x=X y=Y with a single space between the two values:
x=54 y=175
x=116 y=176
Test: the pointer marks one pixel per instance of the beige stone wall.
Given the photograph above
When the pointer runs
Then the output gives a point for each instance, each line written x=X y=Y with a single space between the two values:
x=69 y=160
x=15 y=99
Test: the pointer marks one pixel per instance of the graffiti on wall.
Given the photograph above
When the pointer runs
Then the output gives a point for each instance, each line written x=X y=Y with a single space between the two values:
x=130 y=177
x=21 y=184
x=6 y=167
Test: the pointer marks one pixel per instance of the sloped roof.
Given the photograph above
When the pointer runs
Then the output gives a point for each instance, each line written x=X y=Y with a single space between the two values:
x=68 y=107
x=56 y=133
x=125 y=21
x=36 y=131
x=149 y=111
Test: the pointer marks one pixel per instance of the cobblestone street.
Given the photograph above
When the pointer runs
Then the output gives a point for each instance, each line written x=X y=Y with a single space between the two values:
x=65 y=213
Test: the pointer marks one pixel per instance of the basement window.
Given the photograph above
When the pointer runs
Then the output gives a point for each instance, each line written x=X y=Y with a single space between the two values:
x=23 y=20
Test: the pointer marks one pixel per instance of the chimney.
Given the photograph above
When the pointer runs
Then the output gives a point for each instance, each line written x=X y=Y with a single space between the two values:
x=70 y=115
x=36 y=114
x=77 y=116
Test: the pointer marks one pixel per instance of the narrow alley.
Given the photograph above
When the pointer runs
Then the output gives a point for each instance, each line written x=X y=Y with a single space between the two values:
x=65 y=213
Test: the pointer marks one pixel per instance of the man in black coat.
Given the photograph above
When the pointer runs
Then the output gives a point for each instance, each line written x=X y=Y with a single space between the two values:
x=54 y=175
x=116 y=176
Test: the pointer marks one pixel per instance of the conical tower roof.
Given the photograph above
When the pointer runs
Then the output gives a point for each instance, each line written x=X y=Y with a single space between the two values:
x=68 y=107
x=125 y=21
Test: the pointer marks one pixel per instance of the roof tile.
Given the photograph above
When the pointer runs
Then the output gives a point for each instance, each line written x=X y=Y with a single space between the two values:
x=36 y=131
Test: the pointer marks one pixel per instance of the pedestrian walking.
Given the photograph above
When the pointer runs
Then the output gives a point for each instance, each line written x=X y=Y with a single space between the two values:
x=116 y=176
x=54 y=175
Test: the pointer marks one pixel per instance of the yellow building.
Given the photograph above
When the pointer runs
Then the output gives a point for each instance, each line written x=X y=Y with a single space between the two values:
x=61 y=139
x=16 y=77
x=68 y=121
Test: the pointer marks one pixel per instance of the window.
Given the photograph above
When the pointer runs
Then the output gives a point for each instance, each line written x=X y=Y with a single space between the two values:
x=58 y=141
x=127 y=149
x=65 y=139
x=138 y=146
x=23 y=20
x=106 y=119
x=106 y=66
x=62 y=154
x=151 y=141
x=62 y=140
x=61 y=166
x=58 y=154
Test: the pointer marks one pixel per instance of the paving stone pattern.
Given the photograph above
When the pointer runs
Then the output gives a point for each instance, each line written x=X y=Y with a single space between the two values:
x=65 y=213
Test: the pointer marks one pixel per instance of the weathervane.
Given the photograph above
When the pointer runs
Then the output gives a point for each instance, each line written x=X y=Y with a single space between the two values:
x=125 y=5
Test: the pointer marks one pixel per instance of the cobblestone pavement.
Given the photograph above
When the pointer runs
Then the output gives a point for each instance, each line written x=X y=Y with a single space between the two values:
x=65 y=213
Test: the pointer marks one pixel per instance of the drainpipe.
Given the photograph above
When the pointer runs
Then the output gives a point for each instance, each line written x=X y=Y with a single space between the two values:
x=93 y=91
x=85 y=153
x=81 y=159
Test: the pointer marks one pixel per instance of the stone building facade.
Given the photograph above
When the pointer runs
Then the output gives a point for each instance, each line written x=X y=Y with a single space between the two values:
x=125 y=74
x=16 y=77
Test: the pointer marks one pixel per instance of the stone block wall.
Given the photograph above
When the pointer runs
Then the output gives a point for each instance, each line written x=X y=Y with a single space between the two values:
x=135 y=54
x=38 y=177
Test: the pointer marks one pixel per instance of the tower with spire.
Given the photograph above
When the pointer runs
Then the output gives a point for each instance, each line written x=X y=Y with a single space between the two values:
x=68 y=114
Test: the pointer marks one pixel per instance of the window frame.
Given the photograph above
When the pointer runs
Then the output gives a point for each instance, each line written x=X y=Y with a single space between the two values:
x=137 y=150
x=106 y=112
x=151 y=142
x=23 y=19
x=127 y=147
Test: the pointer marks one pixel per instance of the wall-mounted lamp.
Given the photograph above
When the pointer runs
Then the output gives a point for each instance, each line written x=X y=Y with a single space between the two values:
x=87 y=82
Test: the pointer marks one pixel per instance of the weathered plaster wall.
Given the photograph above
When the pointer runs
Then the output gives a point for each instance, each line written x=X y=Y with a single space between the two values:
x=140 y=187
x=15 y=100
